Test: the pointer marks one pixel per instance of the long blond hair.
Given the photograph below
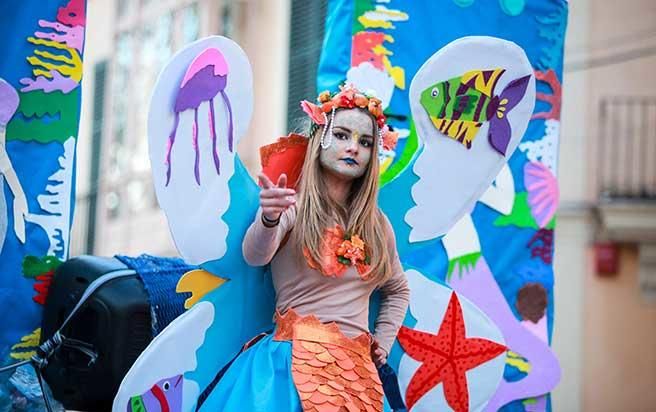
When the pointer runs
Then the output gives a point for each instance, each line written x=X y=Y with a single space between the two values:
x=316 y=211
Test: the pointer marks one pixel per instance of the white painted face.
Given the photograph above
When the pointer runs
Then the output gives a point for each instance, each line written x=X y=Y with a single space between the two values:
x=350 y=151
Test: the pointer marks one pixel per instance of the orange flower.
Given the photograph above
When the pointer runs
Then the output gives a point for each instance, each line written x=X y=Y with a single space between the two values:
x=345 y=98
x=352 y=249
x=357 y=241
x=324 y=96
x=389 y=138
x=375 y=107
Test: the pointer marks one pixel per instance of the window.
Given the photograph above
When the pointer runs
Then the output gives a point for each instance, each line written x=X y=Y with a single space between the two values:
x=98 y=121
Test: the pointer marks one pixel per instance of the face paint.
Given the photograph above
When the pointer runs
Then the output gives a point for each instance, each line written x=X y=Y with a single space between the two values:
x=350 y=151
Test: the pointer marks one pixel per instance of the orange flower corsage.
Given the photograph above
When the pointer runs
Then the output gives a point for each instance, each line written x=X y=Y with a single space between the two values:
x=340 y=250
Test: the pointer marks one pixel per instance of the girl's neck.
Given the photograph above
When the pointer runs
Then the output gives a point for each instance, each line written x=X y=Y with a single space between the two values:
x=338 y=189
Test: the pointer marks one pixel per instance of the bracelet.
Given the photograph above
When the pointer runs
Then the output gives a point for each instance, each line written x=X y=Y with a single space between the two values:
x=270 y=223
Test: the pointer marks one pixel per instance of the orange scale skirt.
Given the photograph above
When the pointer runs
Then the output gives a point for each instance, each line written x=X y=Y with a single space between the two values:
x=331 y=372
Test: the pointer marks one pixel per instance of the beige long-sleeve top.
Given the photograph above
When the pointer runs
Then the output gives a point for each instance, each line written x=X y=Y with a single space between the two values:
x=343 y=300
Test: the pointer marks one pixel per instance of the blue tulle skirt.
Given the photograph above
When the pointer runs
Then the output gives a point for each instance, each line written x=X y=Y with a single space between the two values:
x=260 y=379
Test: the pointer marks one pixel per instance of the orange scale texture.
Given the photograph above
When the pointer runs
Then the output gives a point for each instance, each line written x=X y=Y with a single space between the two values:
x=331 y=372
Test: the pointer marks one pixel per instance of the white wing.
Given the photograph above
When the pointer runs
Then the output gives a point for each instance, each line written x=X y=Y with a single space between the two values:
x=194 y=211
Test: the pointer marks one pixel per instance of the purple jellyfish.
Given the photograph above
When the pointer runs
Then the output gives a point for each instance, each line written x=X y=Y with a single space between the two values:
x=8 y=104
x=205 y=77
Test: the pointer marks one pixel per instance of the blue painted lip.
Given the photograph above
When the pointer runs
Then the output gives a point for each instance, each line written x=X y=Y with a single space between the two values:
x=350 y=161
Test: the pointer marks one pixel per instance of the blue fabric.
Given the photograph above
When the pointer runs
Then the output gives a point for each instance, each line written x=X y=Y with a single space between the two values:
x=40 y=145
x=538 y=26
x=248 y=294
x=160 y=277
x=334 y=64
x=260 y=379
x=35 y=163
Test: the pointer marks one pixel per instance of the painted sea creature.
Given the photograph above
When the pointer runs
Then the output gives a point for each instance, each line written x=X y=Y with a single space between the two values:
x=73 y=14
x=206 y=77
x=9 y=101
x=543 y=193
x=446 y=357
x=458 y=107
x=164 y=396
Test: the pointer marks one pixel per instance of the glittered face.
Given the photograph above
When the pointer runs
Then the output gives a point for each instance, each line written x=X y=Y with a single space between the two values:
x=350 y=151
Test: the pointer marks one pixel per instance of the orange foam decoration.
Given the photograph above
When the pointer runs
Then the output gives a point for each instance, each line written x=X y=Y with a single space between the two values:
x=332 y=372
x=284 y=156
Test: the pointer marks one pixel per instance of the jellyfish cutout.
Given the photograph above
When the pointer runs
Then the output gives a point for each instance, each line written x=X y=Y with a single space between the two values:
x=204 y=79
x=9 y=101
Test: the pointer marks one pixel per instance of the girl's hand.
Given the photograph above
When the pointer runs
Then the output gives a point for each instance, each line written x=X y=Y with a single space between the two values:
x=274 y=199
x=378 y=354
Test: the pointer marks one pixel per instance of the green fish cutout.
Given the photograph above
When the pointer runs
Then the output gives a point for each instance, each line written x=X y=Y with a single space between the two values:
x=458 y=107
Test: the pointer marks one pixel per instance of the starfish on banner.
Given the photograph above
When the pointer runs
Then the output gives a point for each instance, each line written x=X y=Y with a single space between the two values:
x=445 y=358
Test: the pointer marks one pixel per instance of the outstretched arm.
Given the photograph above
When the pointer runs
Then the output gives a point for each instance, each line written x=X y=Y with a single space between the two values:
x=274 y=219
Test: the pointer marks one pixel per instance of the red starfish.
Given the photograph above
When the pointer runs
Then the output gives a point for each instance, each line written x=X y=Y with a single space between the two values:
x=445 y=358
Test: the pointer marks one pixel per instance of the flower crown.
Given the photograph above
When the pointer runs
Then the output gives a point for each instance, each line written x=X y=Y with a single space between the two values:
x=349 y=97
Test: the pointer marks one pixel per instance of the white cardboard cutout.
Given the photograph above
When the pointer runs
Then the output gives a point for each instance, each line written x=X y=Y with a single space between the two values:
x=368 y=78
x=194 y=211
x=428 y=306
x=451 y=177
x=167 y=356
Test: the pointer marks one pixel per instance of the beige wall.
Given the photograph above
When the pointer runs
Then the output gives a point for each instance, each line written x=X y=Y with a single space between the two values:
x=620 y=328
x=572 y=229
x=620 y=336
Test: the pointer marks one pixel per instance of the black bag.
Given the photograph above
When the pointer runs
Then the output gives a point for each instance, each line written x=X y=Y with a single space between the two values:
x=114 y=325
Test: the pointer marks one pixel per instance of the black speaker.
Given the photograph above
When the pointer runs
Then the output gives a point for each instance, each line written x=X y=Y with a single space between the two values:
x=114 y=324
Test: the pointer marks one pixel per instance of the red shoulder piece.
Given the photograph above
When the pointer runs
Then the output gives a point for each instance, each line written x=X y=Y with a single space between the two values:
x=284 y=156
